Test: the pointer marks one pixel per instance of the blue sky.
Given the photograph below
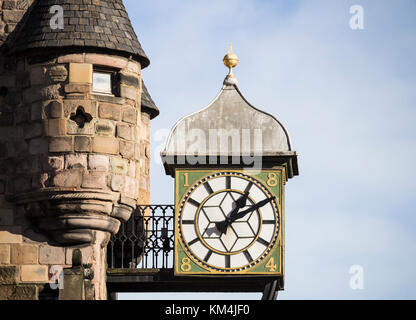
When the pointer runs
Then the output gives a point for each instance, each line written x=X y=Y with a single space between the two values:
x=347 y=98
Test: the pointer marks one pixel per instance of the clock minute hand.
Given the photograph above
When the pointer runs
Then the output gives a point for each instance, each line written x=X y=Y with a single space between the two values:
x=258 y=205
x=240 y=203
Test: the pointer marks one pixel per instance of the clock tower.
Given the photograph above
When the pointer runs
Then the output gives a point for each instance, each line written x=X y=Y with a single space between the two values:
x=230 y=162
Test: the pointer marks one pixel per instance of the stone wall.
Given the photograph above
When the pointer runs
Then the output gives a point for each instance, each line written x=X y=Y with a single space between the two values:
x=42 y=148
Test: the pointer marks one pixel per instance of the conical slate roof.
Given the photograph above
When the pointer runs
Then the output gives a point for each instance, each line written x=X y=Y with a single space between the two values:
x=98 y=25
x=148 y=105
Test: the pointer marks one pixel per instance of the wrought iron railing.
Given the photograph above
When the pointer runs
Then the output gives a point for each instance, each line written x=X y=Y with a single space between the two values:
x=145 y=241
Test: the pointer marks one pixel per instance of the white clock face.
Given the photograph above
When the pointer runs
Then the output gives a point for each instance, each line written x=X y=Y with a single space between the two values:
x=228 y=221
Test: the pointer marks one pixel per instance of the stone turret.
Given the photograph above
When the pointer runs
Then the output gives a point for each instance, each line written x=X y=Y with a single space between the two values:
x=74 y=135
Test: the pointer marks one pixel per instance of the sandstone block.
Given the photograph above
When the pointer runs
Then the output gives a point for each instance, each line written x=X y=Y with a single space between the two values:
x=53 y=163
x=34 y=273
x=132 y=169
x=130 y=115
x=19 y=292
x=55 y=109
x=60 y=144
x=76 y=161
x=108 y=145
x=74 y=129
x=117 y=182
x=87 y=255
x=11 y=234
x=109 y=111
x=80 y=72
x=13 y=16
x=82 y=144
x=127 y=149
x=4 y=254
x=105 y=128
x=78 y=88
x=37 y=75
x=119 y=166
x=58 y=73
x=51 y=255
x=105 y=60
x=130 y=188
x=8 y=274
x=94 y=180
x=67 y=178
x=56 y=127
x=77 y=58
x=98 y=162
x=71 y=106
x=124 y=131
x=24 y=254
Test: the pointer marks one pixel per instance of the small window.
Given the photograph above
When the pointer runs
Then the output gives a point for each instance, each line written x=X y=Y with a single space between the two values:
x=102 y=82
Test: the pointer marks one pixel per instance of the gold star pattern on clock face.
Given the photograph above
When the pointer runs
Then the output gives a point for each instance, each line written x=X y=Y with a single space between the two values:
x=228 y=221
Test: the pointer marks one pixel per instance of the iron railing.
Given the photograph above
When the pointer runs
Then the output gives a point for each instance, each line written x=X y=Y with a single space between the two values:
x=145 y=241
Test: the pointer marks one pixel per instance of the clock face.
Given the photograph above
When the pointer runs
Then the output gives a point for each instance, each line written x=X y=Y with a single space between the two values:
x=228 y=222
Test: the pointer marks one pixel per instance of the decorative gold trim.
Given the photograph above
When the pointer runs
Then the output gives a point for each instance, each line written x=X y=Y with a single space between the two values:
x=277 y=244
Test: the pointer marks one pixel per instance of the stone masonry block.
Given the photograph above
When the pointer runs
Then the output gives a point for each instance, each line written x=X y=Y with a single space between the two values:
x=117 y=182
x=119 y=166
x=105 y=128
x=11 y=234
x=128 y=92
x=4 y=254
x=71 y=106
x=124 y=131
x=56 y=127
x=24 y=254
x=108 y=145
x=60 y=144
x=109 y=111
x=8 y=274
x=76 y=161
x=130 y=188
x=37 y=75
x=130 y=115
x=53 y=163
x=94 y=180
x=51 y=255
x=82 y=144
x=19 y=292
x=67 y=178
x=98 y=162
x=34 y=273
x=80 y=72
x=127 y=149
x=55 y=110
x=87 y=255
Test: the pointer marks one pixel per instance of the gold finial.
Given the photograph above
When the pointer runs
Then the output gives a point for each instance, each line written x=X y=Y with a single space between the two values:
x=230 y=61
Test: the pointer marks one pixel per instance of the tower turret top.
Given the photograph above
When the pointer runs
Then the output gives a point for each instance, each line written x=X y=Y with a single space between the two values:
x=96 y=26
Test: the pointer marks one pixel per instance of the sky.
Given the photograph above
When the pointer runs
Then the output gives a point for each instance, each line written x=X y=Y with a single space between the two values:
x=346 y=98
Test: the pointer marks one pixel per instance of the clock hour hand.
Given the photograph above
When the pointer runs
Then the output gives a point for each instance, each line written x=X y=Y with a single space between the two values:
x=258 y=205
x=240 y=203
